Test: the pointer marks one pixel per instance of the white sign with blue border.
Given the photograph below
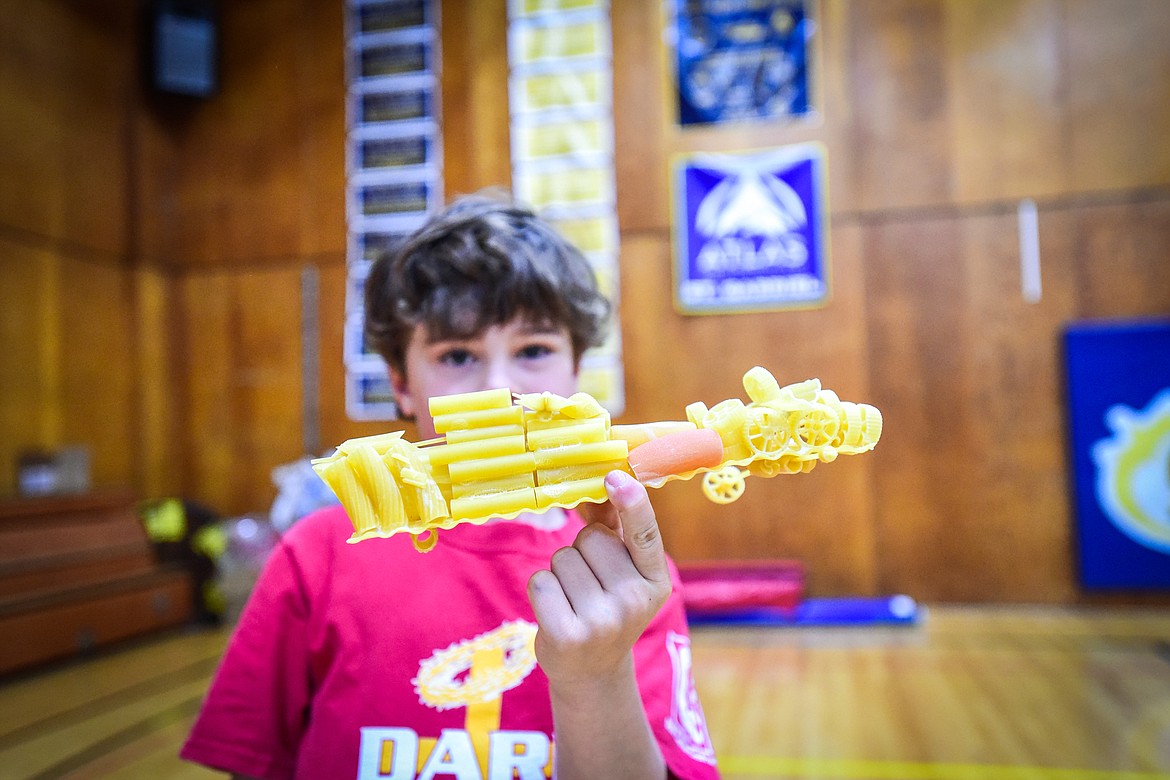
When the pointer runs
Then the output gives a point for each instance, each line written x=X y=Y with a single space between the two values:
x=750 y=230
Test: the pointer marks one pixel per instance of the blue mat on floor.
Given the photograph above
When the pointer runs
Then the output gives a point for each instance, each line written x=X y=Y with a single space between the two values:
x=886 y=610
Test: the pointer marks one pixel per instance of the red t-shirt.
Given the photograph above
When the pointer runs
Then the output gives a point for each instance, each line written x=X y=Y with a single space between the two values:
x=372 y=660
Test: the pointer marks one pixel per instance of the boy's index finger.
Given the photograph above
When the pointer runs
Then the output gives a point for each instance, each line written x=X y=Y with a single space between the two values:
x=640 y=530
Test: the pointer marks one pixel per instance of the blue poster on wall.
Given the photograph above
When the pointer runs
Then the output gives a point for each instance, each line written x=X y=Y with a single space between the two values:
x=1119 y=409
x=739 y=60
x=750 y=230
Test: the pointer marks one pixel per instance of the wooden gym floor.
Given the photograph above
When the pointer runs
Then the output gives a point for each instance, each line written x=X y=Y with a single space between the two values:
x=971 y=693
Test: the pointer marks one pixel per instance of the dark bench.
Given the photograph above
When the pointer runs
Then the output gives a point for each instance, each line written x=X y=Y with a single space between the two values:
x=78 y=572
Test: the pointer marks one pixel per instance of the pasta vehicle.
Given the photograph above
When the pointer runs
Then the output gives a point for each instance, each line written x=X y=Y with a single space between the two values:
x=500 y=454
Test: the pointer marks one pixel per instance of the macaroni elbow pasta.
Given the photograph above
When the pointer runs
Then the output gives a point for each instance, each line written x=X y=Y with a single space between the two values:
x=500 y=454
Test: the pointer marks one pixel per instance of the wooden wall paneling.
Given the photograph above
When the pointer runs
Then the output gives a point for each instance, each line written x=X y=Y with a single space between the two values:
x=30 y=130
x=157 y=167
x=63 y=68
x=642 y=117
x=99 y=83
x=251 y=185
x=268 y=375
x=67 y=366
x=1022 y=502
x=260 y=171
x=971 y=495
x=97 y=360
x=158 y=410
x=29 y=384
x=1118 y=93
x=833 y=80
x=319 y=78
x=243 y=375
x=205 y=350
x=1007 y=87
x=900 y=98
x=921 y=383
x=254 y=193
x=476 y=126
x=1122 y=266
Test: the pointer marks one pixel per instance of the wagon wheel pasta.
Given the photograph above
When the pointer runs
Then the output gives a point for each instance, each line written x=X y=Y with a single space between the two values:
x=501 y=454
x=723 y=486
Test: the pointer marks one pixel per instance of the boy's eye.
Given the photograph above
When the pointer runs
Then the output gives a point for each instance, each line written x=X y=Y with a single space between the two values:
x=533 y=351
x=456 y=358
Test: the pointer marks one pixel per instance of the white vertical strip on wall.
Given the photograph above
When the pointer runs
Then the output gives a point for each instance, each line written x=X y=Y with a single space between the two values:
x=310 y=353
x=1029 y=227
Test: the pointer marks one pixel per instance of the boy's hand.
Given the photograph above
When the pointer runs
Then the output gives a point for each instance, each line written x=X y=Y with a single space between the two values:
x=601 y=593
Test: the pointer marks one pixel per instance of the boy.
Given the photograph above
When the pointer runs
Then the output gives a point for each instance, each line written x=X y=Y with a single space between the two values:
x=514 y=649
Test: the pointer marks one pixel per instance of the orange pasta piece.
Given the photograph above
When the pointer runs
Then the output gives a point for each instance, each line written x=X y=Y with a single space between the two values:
x=638 y=435
x=676 y=453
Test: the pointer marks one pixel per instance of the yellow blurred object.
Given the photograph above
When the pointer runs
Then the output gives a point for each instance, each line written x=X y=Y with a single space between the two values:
x=165 y=520
x=210 y=541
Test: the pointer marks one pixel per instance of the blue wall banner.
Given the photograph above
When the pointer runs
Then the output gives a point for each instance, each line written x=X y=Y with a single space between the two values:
x=750 y=230
x=739 y=60
x=1119 y=414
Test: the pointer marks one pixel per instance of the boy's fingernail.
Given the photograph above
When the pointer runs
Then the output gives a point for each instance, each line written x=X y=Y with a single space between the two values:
x=618 y=479
x=619 y=483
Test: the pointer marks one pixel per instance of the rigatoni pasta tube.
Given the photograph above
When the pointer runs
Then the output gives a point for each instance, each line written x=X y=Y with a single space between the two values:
x=492 y=468
x=380 y=442
x=469 y=402
x=339 y=476
x=474 y=434
x=481 y=418
x=377 y=483
x=476 y=449
x=586 y=432
x=541 y=421
x=571 y=492
x=493 y=504
x=501 y=485
x=579 y=471
x=575 y=454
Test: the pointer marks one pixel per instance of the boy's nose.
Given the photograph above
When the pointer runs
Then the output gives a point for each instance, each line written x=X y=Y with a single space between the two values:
x=498 y=375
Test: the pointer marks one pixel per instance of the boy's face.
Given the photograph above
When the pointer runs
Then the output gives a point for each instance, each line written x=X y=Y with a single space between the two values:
x=518 y=355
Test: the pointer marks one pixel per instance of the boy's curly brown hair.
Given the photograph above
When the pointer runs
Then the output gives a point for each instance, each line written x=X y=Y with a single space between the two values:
x=482 y=261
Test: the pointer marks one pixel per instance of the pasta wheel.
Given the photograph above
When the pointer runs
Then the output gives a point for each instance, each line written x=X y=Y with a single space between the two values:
x=802 y=391
x=792 y=464
x=765 y=468
x=723 y=486
x=696 y=412
x=766 y=431
x=817 y=428
x=426 y=541
x=760 y=385
x=727 y=419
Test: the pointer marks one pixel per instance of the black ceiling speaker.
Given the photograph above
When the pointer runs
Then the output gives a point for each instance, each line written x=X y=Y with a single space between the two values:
x=184 y=47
